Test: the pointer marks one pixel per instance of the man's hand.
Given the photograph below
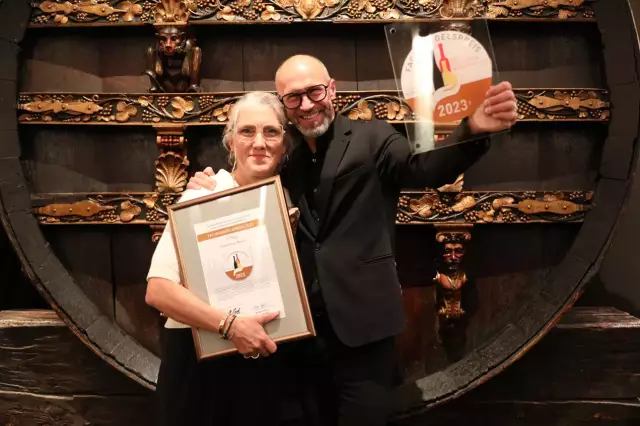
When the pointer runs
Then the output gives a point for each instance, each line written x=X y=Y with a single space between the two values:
x=203 y=180
x=498 y=111
x=294 y=216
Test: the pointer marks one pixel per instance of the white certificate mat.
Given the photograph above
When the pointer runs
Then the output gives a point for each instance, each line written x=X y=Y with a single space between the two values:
x=237 y=253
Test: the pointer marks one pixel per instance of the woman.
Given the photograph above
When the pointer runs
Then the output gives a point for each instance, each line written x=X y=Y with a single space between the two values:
x=235 y=389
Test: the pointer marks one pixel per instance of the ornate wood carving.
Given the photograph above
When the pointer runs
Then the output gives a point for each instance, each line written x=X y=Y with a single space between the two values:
x=415 y=207
x=139 y=208
x=140 y=12
x=432 y=207
x=173 y=64
x=172 y=163
x=450 y=278
x=213 y=108
x=450 y=205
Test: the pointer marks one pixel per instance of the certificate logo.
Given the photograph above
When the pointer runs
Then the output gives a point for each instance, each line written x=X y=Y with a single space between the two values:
x=238 y=266
x=445 y=76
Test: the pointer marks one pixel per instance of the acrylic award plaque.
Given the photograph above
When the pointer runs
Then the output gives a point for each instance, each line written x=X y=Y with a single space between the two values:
x=442 y=71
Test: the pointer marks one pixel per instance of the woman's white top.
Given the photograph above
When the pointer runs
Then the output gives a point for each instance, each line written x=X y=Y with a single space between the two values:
x=164 y=263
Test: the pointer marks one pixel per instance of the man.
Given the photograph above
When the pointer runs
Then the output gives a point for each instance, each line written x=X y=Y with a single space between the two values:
x=345 y=176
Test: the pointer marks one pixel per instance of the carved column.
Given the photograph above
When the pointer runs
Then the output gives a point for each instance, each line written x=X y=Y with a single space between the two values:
x=171 y=165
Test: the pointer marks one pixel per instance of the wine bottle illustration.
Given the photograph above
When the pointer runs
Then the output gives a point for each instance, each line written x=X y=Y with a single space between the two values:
x=237 y=266
x=448 y=77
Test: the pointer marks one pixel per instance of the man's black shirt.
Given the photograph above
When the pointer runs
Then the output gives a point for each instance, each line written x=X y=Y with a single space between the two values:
x=313 y=167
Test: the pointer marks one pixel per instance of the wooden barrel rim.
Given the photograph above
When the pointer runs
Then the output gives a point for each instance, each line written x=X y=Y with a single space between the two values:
x=539 y=307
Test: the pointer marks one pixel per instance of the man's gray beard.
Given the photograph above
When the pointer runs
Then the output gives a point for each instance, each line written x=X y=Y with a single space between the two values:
x=317 y=131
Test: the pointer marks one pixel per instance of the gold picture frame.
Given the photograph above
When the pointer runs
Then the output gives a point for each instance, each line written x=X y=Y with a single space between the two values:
x=236 y=251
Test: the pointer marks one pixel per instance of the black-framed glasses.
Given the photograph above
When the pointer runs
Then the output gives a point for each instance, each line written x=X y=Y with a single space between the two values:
x=314 y=93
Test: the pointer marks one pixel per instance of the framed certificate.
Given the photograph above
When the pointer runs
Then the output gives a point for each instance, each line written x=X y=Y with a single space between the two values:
x=236 y=252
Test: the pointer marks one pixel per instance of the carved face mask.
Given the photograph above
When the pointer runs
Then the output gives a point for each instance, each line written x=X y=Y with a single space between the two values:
x=171 y=41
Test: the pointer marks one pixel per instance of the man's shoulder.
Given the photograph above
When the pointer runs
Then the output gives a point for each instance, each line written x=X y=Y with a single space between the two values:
x=375 y=126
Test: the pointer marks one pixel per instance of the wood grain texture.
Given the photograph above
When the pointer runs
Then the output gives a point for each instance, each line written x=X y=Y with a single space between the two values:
x=132 y=314
x=27 y=409
x=39 y=354
x=532 y=413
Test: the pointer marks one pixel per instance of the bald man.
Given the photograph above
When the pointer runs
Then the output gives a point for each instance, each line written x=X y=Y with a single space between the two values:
x=345 y=176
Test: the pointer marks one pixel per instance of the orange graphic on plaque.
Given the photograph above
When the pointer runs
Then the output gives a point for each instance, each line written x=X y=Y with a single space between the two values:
x=238 y=266
x=465 y=70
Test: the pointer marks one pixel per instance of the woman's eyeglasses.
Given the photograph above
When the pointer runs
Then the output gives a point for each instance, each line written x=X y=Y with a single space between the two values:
x=314 y=93
x=269 y=133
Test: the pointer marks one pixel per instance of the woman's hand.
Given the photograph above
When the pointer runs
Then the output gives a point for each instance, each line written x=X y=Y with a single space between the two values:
x=249 y=336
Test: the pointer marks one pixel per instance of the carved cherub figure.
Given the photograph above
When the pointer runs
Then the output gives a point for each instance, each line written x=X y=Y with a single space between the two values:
x=174 y=62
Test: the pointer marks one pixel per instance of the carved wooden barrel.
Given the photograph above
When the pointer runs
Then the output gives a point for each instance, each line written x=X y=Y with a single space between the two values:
x=89 y=160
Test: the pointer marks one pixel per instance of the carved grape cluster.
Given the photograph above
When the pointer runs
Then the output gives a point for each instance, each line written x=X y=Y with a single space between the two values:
x=147 y=116
x=353 y=9
x=163 y=101
x=258 y=6
x=525 y=109
x=486 y=206
x=403 y=202
x=168 y=199
x=576 y=195
x=471 y=216
x=114 y=17
x=442 y=208
x=249 y=14
x=380 y=4
x=107 y=110
x=206 y=101
x=507 y=216
x=402 y=217
x=236 y=7
x=341 y=102
x=380 y=109
x=41 y=19
x=206 y=4
x=153 y=216
x=529 y=195
x=205 y=118
x=107 y=216
x=412 y=5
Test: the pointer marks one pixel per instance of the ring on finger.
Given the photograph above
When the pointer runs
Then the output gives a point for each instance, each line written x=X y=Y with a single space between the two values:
x=256 y=356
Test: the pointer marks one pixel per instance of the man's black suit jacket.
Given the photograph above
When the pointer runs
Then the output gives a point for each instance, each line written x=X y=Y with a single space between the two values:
x=366 y=166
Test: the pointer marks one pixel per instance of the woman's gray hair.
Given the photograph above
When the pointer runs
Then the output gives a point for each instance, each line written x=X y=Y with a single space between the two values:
x=254 y=99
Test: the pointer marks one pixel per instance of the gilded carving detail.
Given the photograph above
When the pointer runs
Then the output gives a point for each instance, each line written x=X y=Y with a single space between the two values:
x=118 y=12
x=563 y=104
x=171 y=172
x=106 y=208
x=492 y=207
x=558 y=9
x=88 y=11
x=450 y=278
x=415 y=207
x=214 y=108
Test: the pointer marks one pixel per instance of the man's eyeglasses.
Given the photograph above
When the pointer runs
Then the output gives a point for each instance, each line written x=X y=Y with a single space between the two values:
x=314 y=93
x=269 y=133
